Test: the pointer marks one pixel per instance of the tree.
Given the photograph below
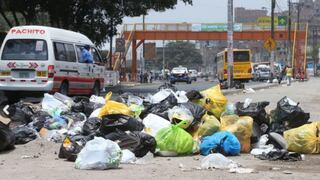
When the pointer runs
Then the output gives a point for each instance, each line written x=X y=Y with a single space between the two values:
x=97 y=19
x=180 y=53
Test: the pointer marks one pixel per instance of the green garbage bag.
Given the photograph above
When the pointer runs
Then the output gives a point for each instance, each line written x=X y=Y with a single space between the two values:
x=175 y=139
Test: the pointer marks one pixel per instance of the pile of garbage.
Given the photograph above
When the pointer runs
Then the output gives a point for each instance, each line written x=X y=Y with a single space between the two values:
x=101 y=133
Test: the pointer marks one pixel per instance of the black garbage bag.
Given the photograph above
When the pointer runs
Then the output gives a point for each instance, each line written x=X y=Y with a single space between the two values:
x=91 y=126
x=7 y=138
x=111 y=123
x=255 y=110
x=137 y=142
x=72 y=145
x=197 y=112
x=291 y=113
x=39 y=118
x=20 y=114
x=24 y=134
x=85 y=106
x=256 y=133
x=75 y=117
x=160 y=109
x=123 y=98
x=282 y=154
x=194 y=95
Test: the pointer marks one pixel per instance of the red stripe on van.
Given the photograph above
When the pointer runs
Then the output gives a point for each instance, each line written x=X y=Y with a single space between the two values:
x=73 y=79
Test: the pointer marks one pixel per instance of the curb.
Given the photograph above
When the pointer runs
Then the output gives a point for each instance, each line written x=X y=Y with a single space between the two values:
x=237 y=91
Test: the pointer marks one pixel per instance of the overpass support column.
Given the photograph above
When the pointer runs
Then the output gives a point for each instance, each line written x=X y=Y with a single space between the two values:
x=134 y=60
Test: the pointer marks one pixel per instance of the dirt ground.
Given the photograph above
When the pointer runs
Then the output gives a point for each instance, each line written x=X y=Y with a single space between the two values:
x=39 y=159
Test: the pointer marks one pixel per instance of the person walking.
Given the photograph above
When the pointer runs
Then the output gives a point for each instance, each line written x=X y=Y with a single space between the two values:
x=289 y=72
x=282 y=74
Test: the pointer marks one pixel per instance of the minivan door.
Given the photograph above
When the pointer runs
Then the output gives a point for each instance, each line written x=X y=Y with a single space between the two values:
x=85 y=73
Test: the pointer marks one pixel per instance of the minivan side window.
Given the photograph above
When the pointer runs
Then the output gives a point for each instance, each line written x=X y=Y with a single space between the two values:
x=80 y=58
x=64 y=52
x=71 y=54
x=60 y=52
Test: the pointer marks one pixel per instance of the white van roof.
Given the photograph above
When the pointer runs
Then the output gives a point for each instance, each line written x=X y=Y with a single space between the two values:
x=45 y=32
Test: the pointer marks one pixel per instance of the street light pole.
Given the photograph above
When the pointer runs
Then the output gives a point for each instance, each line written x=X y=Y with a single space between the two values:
x=230 y=43
x=272 y=59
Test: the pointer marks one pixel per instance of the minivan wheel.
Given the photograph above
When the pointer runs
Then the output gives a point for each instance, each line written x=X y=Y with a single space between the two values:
x=64 y=88
x=96 y=89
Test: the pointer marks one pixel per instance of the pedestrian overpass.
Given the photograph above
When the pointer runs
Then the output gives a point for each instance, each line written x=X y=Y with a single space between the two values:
x=136 y=34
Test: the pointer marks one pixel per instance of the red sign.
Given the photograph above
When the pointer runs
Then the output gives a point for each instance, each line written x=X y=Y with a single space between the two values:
x=11 y=65
x=33 y=65
x=27 y=31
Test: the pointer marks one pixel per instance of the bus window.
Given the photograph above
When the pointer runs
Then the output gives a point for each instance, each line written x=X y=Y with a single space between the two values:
x=239 y=56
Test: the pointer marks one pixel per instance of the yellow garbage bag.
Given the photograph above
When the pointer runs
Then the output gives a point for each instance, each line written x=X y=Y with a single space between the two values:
x=208 y=126
x=304 y=139
x=241 y=127
x=113 y=107
x=213 y=101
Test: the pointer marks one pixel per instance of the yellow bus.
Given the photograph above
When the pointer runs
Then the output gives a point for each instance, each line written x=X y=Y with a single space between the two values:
x=242 y=69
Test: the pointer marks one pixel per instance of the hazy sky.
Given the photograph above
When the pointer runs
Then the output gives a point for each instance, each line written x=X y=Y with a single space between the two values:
x=204 y=11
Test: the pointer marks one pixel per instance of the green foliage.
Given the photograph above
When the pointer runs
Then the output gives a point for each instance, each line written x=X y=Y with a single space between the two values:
x=180 y=53
x=95 y=18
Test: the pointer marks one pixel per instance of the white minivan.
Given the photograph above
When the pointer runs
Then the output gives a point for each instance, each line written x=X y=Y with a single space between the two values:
x=46 y=59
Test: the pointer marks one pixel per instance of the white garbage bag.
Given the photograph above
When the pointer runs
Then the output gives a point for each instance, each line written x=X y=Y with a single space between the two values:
x=53 y=106
x=95 y=113
x=99 y=153
x=160 y=96
x=153 y=123
x=128 y=157
x=97 y=99
x=182 y=114
x=181 y=96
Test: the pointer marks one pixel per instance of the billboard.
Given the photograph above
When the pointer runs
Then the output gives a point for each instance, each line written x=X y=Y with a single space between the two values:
x=266 y=21
x=215 y=27
x=149 y=51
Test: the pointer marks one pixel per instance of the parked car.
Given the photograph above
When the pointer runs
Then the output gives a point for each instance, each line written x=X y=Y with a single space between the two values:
x=180 y=74
x=193 y=74
x=262 y=73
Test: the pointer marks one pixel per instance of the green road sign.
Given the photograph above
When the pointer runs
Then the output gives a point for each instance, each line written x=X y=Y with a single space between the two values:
x=282 y=20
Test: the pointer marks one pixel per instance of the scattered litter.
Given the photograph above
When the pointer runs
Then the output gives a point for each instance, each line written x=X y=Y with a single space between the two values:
x=249 y=91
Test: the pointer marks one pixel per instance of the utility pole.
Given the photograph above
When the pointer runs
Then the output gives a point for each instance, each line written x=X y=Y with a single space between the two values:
x=289 y=33
x=230 y=43
x=272 y=59
x=163 y=60
x=111 y=38
x=143 y=46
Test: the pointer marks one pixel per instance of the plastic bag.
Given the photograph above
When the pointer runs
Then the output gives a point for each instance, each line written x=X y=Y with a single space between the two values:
x=111 y=123
x=24 y=134
x=90 y=126
x=217 y=161
x=223 y=142
x=134 y=100
x=7 y=138
x=63 y=98
x=213 y=101
x=230 y=110
x=289 y=111
x=83 y=105
x=97 y=99
x=128 y=157
x=304 y=139
x=99 y=154
x=71 y=147
x=255 y=110
x=153 y=123
x=208 y=126
x=175 y=139
x=241 y=127
x=194 y=95
x=20 y=114
x=95 y=113
x=137 y=142
x=162 y=108
x=53 y=106
x=197 y=113
x=181 y=96
x=180 y=113
x=113 y=107
x=39 y=118
x=160 y=96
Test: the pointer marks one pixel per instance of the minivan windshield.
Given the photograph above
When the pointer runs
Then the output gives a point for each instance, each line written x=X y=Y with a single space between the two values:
x=25 y=49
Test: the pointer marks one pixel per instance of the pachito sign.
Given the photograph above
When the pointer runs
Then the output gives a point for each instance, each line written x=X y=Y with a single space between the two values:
x=120 y=45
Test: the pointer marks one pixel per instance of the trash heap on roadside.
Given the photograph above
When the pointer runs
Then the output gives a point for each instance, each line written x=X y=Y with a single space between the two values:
x=101 y=133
